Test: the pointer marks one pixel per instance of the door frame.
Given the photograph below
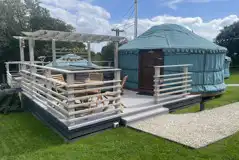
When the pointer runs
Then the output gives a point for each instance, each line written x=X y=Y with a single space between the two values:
x=140 y=67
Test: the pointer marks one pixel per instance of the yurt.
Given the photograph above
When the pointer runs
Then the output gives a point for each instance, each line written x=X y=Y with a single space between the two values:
x=171 y=44
x=227 y=67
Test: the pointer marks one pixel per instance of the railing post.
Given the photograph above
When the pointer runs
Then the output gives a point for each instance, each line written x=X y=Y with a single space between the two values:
x=109 y=64
x=118 y=89
x=185 y=70
x=47 y=83
x=156 y=83
x=70 y=80
x=33 y=78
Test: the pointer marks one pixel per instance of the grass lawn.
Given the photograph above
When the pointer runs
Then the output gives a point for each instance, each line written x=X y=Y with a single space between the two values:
x=22 y=137
x=230 y=96
x=234 y=78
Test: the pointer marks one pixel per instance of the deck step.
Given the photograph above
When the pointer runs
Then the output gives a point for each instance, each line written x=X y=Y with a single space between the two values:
x=143 y=115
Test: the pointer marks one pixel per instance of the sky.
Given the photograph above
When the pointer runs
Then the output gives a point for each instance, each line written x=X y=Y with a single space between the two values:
x=205 y=17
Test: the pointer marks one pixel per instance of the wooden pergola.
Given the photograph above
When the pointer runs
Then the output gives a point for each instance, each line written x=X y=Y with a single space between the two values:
x=50 y=35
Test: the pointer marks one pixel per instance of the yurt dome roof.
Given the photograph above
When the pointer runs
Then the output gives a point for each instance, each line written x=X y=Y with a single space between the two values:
x=171 y=36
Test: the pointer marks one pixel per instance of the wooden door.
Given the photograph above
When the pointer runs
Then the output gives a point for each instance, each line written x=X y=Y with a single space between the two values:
x=147 y=61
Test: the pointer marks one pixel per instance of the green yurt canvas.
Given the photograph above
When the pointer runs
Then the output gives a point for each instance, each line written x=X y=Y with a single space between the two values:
x=173 y=44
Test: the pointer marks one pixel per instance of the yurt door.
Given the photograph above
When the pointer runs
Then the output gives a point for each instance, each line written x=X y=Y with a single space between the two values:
x=147 y=61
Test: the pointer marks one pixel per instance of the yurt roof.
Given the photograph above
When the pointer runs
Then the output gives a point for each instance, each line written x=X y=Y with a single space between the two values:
x=73 y=61
x=167 y=36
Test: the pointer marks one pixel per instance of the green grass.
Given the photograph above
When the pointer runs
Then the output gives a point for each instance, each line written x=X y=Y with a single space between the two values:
x=23 y=137
x=230 y=96
x=234 y=78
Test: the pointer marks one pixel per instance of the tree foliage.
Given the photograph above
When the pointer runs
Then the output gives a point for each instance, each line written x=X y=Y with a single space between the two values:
x=108 y=52
x=229 y=38
x=27 y=15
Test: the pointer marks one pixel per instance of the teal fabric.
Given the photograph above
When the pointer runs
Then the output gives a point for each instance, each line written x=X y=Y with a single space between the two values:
x=180 y=46
x=170 y=36
x=128 y=62
x=72 y=61
x=227 y=67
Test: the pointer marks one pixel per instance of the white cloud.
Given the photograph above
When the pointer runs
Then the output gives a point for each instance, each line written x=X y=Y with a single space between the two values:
x=173 y=3
x=88 y=18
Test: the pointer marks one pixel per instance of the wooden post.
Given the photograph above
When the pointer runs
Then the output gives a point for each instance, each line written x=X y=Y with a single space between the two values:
x=70 y=80
x=185 y=70
x=116 y=57
x=89 y=54
x=31 y=50
x=32 y=69
x=109 y=64
x=22 y=56
x=156 y=84
x=47 y=83
x=118 y=89
x=53 y=44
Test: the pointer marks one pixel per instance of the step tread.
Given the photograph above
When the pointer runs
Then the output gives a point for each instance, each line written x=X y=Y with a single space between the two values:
x=146 y=114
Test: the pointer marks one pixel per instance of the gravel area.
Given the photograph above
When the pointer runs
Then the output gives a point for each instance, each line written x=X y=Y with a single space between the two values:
x=233 y=85
x=195 y=130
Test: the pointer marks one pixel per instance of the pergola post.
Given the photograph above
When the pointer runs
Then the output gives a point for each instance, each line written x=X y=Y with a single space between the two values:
x=22 y=57
x=32 y=68
x=89 y=53
x=31 y=50
x=116 y=57
x=53 y=52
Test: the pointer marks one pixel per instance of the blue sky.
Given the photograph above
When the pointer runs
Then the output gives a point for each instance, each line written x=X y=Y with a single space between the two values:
x=208 y=10
x=205 y=17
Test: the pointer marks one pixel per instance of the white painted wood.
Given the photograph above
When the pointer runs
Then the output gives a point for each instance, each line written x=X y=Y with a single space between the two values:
x=172 y=88
x=31 y=50
x=172 y=75
x=63 y=111
x=40 y=85
x=97 y=115
x=93 y=83
x=172 y=97
x=185 y=70
x=156 y=82
x=69 y=36
x=178 y=78
x=174 y=83
x=89 y=53
x=92 y=89
x=118 y=88
x=174 y=92
x=22 y=56
x=53 y=45
x=171 y=66
x=93 y=102
x=70 y=80
x=116 y=55
x=90 y=109
x=93 y=96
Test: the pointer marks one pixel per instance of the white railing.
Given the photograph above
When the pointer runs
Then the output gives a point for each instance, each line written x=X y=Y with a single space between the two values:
x=13 y=72
x=176 y=84
x=73 y=96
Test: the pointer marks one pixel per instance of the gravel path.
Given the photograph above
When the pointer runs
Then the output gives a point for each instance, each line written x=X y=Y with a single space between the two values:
x=194 y=129
x=233 y=85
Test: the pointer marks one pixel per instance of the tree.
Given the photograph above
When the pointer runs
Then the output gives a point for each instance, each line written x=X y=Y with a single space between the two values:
x=26 y=15
x=108 y=52
x=229 y=38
